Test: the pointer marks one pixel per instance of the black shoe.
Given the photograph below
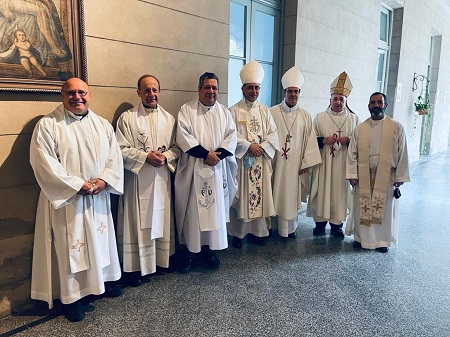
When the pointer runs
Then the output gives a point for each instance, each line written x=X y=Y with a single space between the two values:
x=319 y=230
x=336 y=231
x=382 y=249
x=292 y=235
x=112 y=290
x=166 y=270
x=133 y=279
x=256 y=240
x=356 y=244
x=88 y=307
x=237 y=243
x=211 y=260
x=75 y=312
x=186 y=265
x=271 y=234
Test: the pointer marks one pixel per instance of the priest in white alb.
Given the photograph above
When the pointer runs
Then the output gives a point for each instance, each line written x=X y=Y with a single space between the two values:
x=329 y=199
x=77 y=163
x=299 y=152
x=257 y=143
x=145 y=231
x=377 y=164
x=205 y=180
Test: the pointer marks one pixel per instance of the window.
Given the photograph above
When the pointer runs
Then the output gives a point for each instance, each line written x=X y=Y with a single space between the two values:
x=254 y=35
x=383 y=49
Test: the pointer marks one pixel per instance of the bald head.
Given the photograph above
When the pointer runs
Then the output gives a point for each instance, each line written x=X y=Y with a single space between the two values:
x=76 y=96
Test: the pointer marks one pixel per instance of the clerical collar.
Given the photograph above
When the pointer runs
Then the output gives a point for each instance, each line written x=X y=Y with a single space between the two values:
x=251 y=104
x=287 y=108
x=377 y=121
x=206 y=107
x=78 y=117
x=335 y=113
x=150 y=110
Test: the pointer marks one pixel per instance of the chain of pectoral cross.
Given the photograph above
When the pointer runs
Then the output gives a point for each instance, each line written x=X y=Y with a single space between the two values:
x=338 y=136
x=285 y=149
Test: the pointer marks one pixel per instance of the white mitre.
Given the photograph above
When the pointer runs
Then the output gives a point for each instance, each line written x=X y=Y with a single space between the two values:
x=341 y=85
x=293 y=78
x=252 y=72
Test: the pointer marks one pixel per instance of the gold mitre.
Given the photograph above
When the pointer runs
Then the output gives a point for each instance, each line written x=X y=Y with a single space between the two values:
x=252 y=72
x=293 y=78
x=341 y=85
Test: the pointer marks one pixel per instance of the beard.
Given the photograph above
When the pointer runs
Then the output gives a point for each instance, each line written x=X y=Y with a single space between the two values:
x=377 y=111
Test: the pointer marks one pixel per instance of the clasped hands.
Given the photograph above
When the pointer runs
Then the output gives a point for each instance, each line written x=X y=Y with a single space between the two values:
x=212 y=159
x=155 y=158
x=255 y=150
x=331 y=140
x=92 y=187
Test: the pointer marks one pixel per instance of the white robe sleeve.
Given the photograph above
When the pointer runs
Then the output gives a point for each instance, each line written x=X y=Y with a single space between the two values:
x=402 y=169
x=133 y=159
x=185 y=136
x=271 y=142
x=58 y=186
x=113 y=170
x=352 y=157
x=311 y=153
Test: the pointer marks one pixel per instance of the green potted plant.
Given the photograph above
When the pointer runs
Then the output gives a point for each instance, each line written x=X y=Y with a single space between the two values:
x=423 y=104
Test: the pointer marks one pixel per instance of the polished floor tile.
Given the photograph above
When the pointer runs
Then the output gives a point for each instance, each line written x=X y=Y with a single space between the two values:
x=305 y=287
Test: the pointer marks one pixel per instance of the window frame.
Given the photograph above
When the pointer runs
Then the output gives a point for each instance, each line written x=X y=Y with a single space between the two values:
x=273 y=8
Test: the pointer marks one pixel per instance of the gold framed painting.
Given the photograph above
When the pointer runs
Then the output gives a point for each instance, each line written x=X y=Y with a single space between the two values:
x=41 y=44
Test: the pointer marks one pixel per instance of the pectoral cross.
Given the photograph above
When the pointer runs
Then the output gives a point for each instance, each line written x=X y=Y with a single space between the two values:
x=288 y=138
x=332 y=149
x=286 y=149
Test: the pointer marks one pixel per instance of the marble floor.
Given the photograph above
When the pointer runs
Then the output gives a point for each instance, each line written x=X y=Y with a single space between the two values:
x=297 y=287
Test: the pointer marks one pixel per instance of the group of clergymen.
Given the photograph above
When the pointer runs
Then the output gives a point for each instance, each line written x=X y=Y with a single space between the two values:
x=241 y=172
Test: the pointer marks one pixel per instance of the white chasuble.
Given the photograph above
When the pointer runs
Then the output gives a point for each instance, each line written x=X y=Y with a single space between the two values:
x=370 y=228
x=372 y=186
x=145 y=229
x=328 y=199
x=203 y=193
x=208 y=180
x=254 y=200
x=299 y=150
x=74 y=237
x=152 y=184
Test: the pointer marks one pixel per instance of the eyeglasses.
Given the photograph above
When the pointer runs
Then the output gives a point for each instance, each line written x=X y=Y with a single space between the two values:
x=72 y=93
x=253 y=87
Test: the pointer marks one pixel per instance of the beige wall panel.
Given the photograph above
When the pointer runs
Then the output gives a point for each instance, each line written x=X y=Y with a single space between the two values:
x=21 y=117
x=217 y=10
x=15 y=259
x=110 y=102
x=15 y=273
x=309 y=62
x=152 y=25
x=18 y=210
x=15 y=298
x=176 y=70
x=15 y=168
